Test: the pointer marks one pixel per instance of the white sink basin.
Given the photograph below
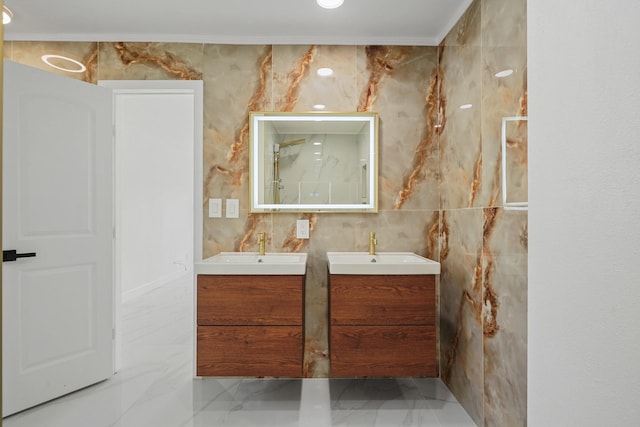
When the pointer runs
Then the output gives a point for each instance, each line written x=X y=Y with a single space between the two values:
x=252 y=263
x=380 y=263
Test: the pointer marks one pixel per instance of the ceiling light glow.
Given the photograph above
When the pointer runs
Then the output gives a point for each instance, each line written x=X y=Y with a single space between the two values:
x=319 y=107
x=7 y=15
x=79 y=66
x=325 y=72
x=504 y=73
x=466 y=106
x=330 y=4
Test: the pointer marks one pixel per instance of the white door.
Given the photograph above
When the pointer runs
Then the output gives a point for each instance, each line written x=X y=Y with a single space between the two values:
x=163 y=117
x=57 y=309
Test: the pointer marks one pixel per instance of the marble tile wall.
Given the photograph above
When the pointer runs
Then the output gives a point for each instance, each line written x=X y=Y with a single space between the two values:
x=483 y=285
x=439 y=174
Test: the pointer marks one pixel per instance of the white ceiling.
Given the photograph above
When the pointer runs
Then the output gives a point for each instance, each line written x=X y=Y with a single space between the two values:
x=357 y=22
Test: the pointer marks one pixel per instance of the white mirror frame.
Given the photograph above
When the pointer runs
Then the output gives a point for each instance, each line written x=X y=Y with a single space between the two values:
x=509 y=205
x=257 y=161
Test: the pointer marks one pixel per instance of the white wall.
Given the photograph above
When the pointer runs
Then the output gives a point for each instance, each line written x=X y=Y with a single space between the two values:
x=155 y=143
x=584 y=212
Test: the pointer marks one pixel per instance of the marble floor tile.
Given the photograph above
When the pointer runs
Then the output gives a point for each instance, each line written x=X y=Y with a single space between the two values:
x=156 y=386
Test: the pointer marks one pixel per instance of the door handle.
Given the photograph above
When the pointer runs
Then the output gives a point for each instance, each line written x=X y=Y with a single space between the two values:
x=13 y=255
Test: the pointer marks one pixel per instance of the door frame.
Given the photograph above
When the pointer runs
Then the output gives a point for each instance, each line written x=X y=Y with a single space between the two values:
x=145 y=87
x=1 y=144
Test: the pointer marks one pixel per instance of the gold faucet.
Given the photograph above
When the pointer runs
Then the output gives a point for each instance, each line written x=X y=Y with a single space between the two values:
x=372 y=243
x=261 y=241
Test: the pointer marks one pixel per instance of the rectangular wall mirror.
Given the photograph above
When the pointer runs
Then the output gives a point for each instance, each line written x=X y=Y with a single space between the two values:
x=313 y=162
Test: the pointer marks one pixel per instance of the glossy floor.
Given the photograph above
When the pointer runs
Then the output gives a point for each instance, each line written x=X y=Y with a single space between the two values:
x=156 y=388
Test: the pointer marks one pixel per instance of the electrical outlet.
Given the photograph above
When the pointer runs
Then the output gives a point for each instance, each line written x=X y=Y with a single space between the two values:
x=233 y=208
x=215 y=208
x=302 y=229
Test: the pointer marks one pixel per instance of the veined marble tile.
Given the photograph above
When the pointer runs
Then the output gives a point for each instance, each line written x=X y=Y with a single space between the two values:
x=503 y=97
x=483 y=284
x=316 y=351
x=298 y=87
x=250 y=403
x=461 y=140
x=505 y=295
x=390 y=402
x=461 y=333
x=237 y=80
x=235 y=235
x=466 y=32
x=150 y=61
x=30 y=53
x=291 y=70
x=403 y=88
x=401 y=231
x=504 y=23
x=322 y=240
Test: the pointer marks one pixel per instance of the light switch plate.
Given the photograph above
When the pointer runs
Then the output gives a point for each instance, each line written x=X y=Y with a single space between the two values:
x=302 y=229
x=215 y=208
x=233 y=208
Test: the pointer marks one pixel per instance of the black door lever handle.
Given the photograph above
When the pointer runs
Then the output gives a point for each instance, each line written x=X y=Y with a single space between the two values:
x=13 y=255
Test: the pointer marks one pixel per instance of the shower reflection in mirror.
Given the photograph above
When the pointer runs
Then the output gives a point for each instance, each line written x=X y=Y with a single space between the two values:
x=312 y=164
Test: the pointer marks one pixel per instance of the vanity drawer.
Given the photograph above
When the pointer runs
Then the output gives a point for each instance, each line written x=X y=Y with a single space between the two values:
x=383 y=351
x=254 y=351
x=382 y=300
x=250 y=300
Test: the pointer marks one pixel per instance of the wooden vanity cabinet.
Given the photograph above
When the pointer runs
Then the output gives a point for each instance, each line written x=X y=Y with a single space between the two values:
x=382 y=325
x=250 y=325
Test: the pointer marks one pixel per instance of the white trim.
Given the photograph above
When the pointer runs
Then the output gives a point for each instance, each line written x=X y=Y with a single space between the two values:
x=178 y=86
x=327 y=39
x=194 y=87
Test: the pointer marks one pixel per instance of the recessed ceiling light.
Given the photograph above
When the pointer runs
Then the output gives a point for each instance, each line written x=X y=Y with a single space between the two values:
x=330 y=4
x=325 y=72
x=317 y=143
x=317 y=153
x=504 y=73
x=466 y=106
x=7 y=15
x=79 y=67
x=319 y=107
